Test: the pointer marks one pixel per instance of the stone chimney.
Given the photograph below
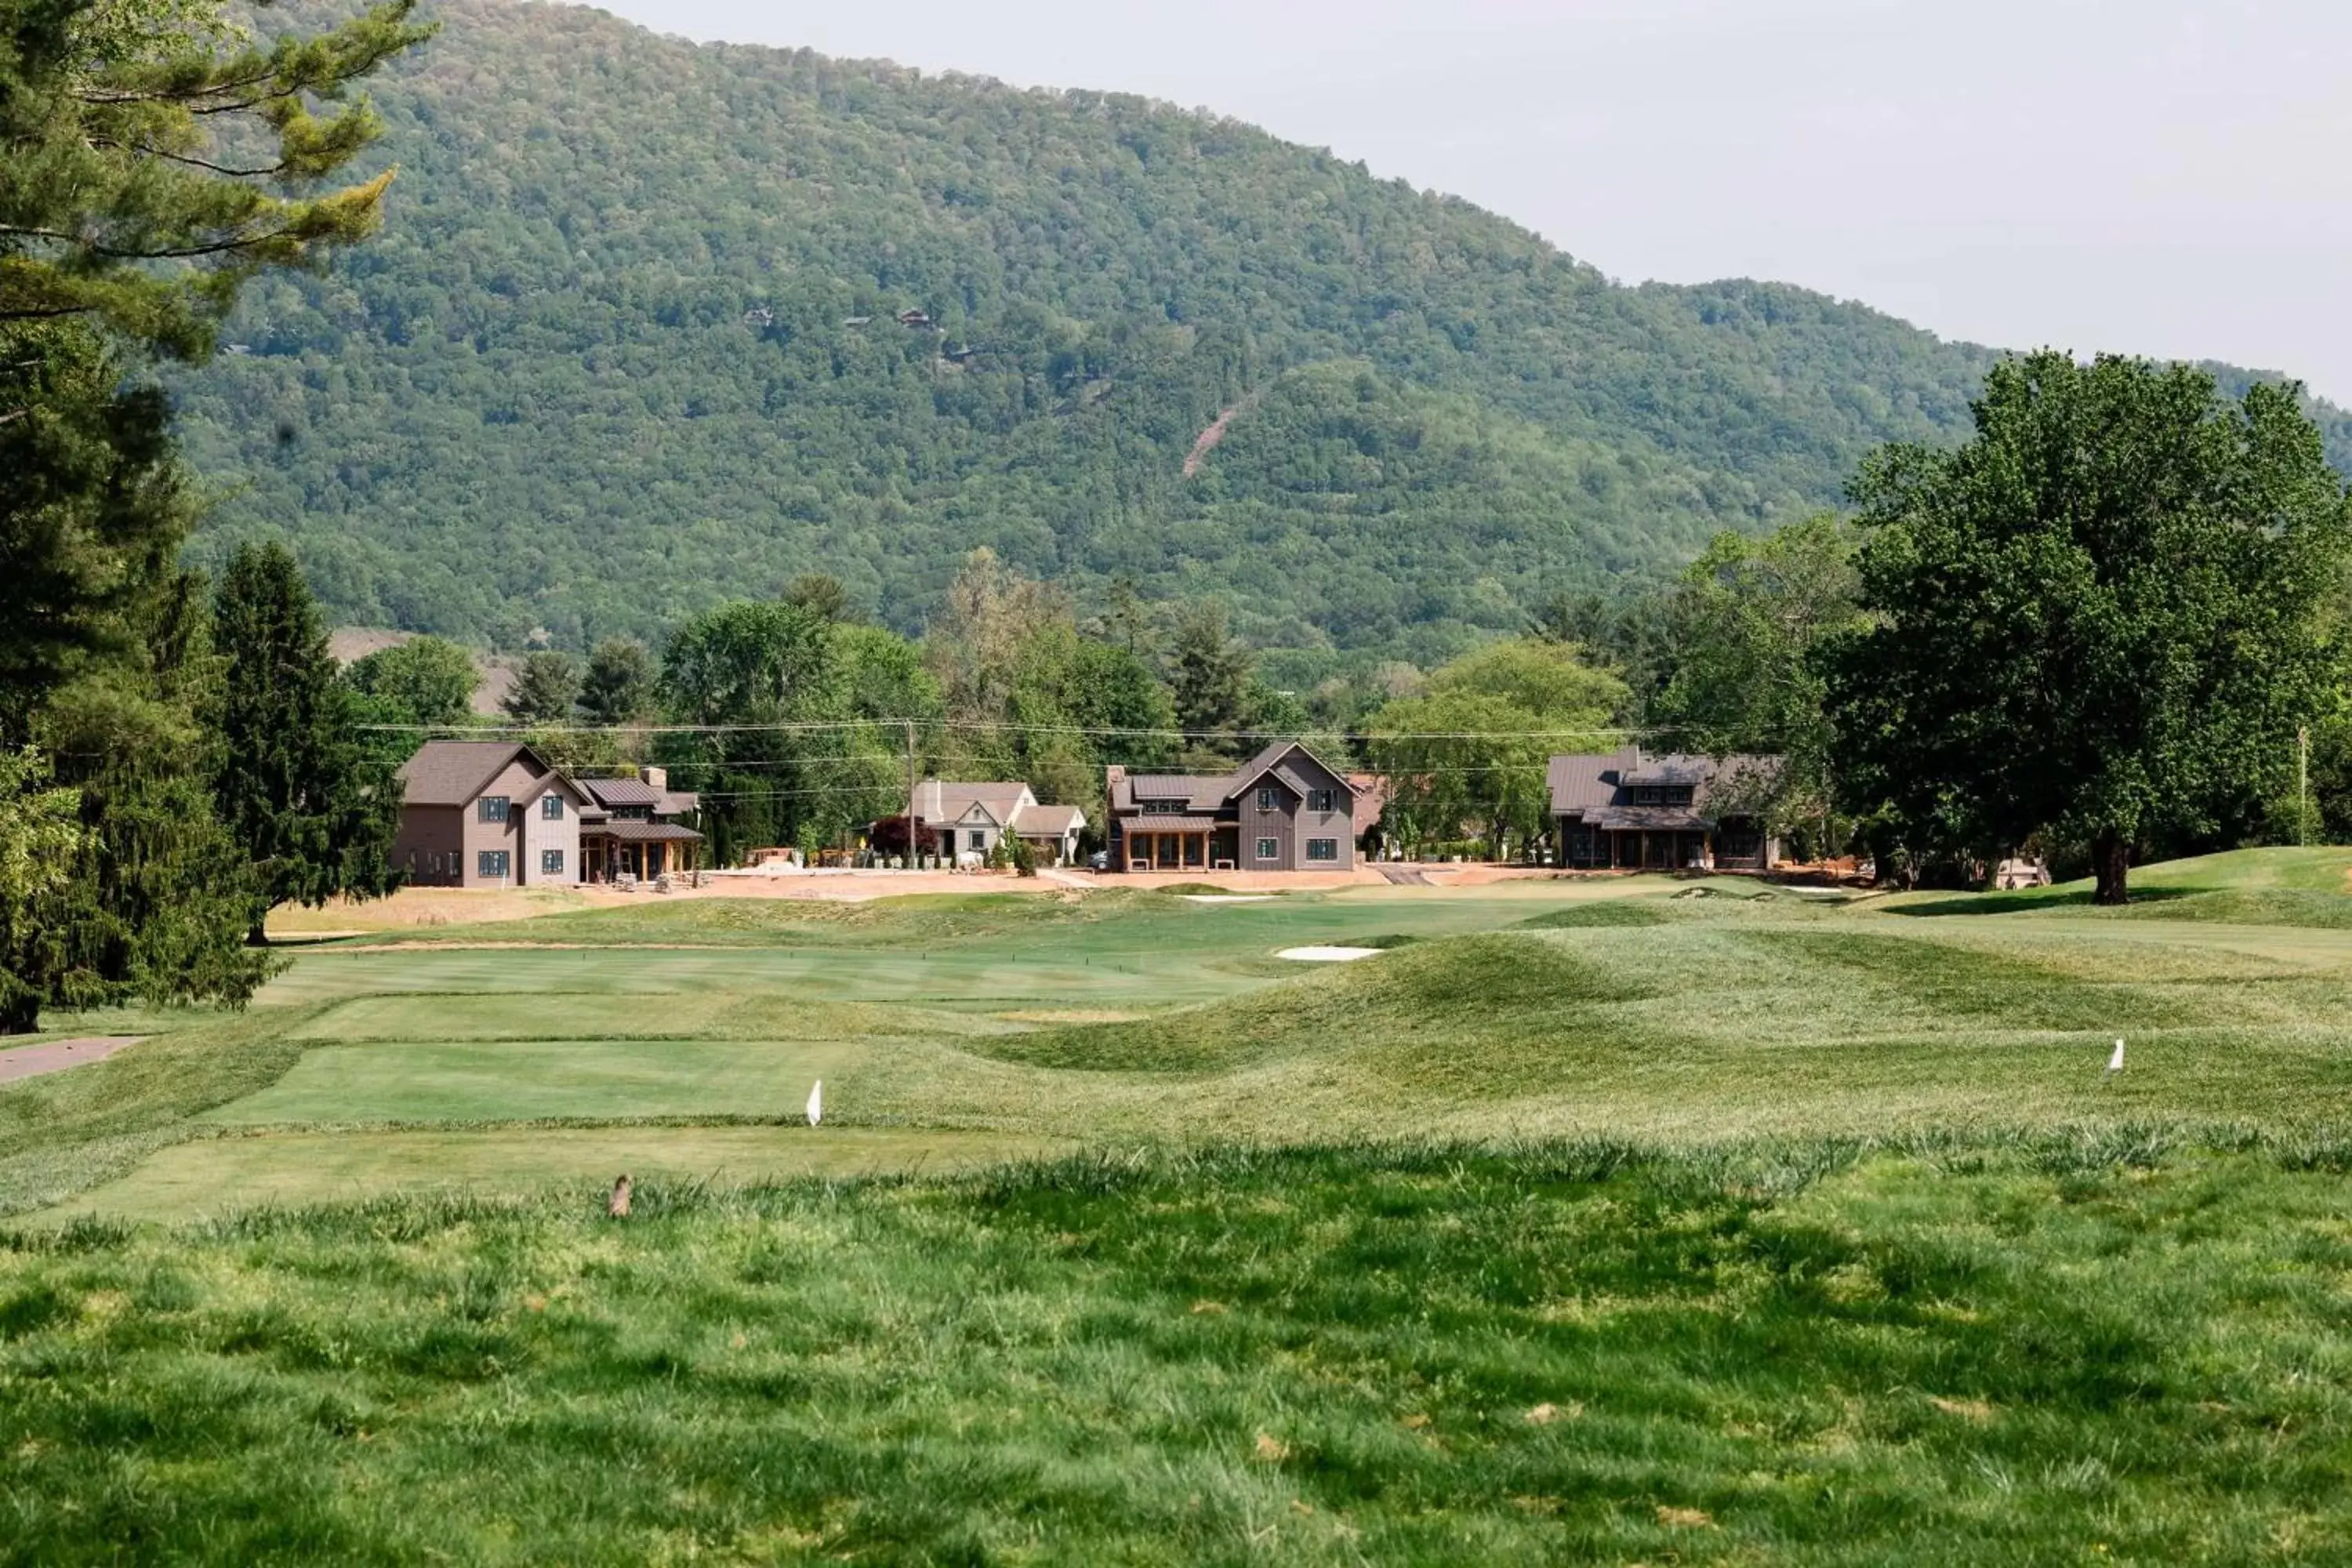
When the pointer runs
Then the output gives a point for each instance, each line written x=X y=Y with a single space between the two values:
x=657 y=777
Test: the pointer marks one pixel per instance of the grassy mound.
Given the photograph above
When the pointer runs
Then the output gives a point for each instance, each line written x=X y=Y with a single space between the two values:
x=1599 y=913
x=2026 y=1351
x=1434 y=991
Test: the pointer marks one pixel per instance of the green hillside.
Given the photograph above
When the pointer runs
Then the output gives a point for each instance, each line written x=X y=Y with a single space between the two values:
x=601 y=368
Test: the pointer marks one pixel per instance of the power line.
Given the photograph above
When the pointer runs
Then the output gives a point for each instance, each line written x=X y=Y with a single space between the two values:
x=1349 y=737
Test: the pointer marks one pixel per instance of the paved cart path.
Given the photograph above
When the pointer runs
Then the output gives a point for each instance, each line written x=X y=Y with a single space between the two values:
x=55 y=1056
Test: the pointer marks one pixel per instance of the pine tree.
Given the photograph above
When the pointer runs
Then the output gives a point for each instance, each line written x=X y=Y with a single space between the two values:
x=546 y=691
x=1210 y=673
x=620 y=684
x=149 y=153
x=155 y=901
x=314 y=815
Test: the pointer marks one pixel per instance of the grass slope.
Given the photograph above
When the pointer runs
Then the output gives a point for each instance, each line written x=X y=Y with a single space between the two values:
x=2027 y=1351
x=1584 y=1221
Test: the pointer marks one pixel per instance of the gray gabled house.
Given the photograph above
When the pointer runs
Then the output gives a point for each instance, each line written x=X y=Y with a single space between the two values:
x=1284 y=810
x=1634 y=810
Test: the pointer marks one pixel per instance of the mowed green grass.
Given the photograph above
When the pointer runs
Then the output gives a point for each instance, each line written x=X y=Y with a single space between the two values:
x=1585 y=1222
x=1142 y=1020
x=1953 y=1352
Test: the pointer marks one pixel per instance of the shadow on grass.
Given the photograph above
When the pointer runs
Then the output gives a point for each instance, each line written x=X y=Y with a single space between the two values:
x=2019 y=903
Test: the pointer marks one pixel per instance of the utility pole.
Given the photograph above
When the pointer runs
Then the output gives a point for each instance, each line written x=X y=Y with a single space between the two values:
x=2303 y=785
x=910 y=794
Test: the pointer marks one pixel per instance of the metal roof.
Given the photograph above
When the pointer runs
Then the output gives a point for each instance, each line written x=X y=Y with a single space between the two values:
x=622 y=791
x=628 y=830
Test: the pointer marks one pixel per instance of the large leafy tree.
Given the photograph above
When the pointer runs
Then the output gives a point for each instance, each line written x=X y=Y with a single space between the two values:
x=2099 y=617
x=313 y=813
x=41 y=837
x=752 y=672
x=425 y=681
x=1468 y=754
x=1747 y=617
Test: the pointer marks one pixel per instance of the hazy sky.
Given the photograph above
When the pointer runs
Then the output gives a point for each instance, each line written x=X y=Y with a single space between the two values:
x=2164 y=176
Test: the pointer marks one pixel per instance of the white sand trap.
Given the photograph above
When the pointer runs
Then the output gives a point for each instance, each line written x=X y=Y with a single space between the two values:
x=1329 y=954
x=1229 y=898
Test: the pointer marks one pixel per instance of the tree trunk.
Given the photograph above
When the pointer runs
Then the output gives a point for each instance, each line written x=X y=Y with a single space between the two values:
x=2110 y=862
x=20 y=1013
x=257 y=933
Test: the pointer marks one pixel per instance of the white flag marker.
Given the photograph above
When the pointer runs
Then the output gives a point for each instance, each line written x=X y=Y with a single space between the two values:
x=816 y=1102
x=2116 y=1060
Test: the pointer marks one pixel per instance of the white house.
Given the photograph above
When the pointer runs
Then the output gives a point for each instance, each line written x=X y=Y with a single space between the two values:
x=961 y=820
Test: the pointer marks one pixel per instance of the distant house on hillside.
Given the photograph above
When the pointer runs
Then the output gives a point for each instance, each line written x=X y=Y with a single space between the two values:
x=630 y=827
x=486 y=813
x=1284 y=810
x=1632 y=811
x=494 y=814
x=958 y=819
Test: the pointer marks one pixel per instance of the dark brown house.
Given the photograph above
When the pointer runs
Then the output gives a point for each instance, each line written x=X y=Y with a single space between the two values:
x=487 y=813
x=1631 y=810
x=1283 y=810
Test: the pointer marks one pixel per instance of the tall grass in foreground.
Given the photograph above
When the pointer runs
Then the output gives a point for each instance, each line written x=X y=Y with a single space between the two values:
x=2062 y=1347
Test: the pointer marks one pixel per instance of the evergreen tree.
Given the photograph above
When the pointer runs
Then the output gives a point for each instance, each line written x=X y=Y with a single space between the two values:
x=1210 y=673
x=152 y=158
x=315 y=816
x=93 y=513
x=156 y=903
x=546 y=691
x=619 y=688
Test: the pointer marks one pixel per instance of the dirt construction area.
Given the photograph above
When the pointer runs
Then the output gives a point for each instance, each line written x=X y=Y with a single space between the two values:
x=424 y=907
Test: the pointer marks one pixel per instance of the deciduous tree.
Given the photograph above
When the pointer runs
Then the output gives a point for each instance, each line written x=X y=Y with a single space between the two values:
x=2098 y=619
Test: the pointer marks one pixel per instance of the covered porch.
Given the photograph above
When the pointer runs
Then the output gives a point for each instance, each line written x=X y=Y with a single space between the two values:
x=641 y=850
x=1180 y=844
x=1609 y=843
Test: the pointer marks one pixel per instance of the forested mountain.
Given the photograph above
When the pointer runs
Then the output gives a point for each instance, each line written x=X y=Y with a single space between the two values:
x=632 y=340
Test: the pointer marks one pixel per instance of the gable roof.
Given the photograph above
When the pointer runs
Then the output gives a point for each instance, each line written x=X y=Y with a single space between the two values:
x=947 y=801
x=1039 y=821
x=1271 y=759
x=1600 y=789
x=453 y=773
x=1210 y=792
